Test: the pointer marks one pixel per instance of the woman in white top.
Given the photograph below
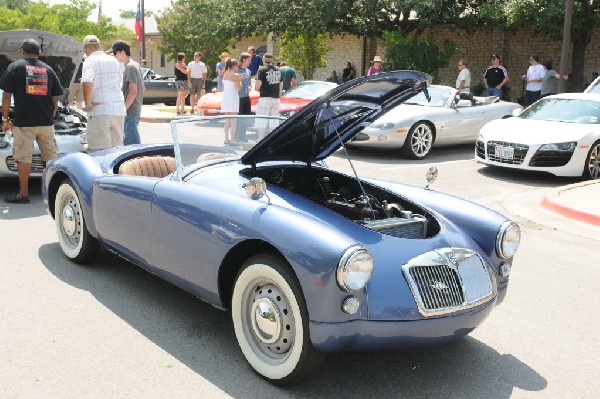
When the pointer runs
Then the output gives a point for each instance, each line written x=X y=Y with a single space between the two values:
x=230 y=100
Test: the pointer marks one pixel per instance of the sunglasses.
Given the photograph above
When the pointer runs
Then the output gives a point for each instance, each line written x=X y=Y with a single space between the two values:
x=493 y=58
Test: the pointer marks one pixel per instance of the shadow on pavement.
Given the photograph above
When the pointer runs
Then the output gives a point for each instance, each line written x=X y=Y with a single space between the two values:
x=443 y=154
x=9 y=187
x=527 y=177
x=201 y=337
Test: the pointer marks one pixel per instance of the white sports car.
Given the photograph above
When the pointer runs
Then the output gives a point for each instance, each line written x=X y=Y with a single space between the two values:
x=436 y=118
x=63 y=54
x=558 y=134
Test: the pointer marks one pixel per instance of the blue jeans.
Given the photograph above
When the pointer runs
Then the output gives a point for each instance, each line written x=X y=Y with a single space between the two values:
x=492 y=91
x=132 y=134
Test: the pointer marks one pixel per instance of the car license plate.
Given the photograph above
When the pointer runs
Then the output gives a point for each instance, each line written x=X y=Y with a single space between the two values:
x=505 y=152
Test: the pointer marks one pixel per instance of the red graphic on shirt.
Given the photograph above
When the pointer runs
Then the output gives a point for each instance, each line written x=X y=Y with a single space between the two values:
x=36 y=80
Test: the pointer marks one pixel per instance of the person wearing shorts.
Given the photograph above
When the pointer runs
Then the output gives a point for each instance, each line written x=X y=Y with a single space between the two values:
x=270 y=84
x=35 y=88
x=197 y=74
x=102 y=77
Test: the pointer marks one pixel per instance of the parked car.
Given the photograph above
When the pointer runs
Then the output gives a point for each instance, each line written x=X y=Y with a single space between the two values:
x=558 y=134
x=291 y=101
x=158 y=89
x=445 y=118
x=63 y=53
x=309 y=260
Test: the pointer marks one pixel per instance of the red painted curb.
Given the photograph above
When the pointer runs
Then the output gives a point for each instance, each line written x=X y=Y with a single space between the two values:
x=571 y=213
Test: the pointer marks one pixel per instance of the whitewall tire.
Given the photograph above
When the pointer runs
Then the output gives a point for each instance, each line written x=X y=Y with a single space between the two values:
x=271 y=321
x=74 y=239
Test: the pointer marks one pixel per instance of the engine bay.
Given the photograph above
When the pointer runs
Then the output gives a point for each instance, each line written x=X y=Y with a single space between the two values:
x=365 y=204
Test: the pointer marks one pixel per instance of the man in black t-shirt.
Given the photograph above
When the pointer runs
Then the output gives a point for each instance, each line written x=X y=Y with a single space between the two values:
x=269 y=83
x=35 y=88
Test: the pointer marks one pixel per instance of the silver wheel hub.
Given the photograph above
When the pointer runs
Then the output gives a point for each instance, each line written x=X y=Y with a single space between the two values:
x=70 y=222
x=271 y=319
x=594 y=164
x=421 y=140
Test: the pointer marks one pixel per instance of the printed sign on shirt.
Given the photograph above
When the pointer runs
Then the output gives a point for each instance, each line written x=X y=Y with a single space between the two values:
x=36 y=80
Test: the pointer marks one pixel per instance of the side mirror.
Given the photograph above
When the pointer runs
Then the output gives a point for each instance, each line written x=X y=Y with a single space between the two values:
x=431 y=176
x=517 y=111
x=256 y=188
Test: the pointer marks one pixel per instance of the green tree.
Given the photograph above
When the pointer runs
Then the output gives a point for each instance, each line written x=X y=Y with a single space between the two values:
x=305 y=52
x=415 y=52
x=548 y=17
x=14 y=4
x=130 y=14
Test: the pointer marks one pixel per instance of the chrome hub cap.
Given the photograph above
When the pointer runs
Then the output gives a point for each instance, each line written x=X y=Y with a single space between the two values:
x=271 y=320
x=70 y=222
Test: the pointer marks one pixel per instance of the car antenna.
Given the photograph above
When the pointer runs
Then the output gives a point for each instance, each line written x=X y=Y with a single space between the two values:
x=362 y=189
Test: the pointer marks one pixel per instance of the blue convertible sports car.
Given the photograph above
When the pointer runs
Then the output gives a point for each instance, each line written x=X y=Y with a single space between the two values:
x=307 y=259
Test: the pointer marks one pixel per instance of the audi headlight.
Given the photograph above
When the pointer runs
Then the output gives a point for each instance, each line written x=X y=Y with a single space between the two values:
x=564 y=147
x=507 y=240
x=354 y=269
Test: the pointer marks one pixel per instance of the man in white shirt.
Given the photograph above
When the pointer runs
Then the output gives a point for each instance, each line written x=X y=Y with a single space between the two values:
x=197 y=74
x=534 y=78
x=101 y=79
x=463 y=82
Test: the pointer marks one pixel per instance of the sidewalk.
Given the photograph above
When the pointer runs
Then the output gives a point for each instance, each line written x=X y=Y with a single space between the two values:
x=580 y=201
x=160 y=113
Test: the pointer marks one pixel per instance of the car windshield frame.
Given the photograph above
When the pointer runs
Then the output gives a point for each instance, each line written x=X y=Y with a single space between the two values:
x=306 y=90
x=566 y=110
x=439 y=97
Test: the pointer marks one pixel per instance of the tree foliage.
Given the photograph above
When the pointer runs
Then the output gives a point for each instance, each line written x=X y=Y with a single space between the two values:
x=305 y=52
x=417 y=53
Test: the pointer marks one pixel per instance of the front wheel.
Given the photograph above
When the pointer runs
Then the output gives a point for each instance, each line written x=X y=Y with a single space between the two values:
x=418 y=141
x=271 y=322
x=592 y=163
x=74 y=239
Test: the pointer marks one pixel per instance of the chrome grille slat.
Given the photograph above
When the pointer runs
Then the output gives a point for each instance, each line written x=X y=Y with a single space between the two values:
x=440 y=285
x=37 y=165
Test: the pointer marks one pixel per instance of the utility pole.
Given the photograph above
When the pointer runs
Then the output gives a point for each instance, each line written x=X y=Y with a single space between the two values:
x=564 y=53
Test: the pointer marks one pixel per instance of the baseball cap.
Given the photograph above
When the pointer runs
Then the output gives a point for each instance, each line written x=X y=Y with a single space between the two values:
x=268 y=57
x=90 y=39
x=30 y=46
x=495 y=55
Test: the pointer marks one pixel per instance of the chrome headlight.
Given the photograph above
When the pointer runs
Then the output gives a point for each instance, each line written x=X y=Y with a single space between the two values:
x=563 y=147
x=354 y=269
x=507 y=240
x=382 y=126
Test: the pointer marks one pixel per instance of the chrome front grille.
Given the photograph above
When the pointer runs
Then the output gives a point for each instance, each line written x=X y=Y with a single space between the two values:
x=413 y=227
x=37 y=165
x=448 y=280
x=520 y=152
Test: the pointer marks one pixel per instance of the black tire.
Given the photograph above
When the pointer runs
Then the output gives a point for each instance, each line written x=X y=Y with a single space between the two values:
x=276 y=344
x=419 y=141
x=591 y=169
x=73 y=236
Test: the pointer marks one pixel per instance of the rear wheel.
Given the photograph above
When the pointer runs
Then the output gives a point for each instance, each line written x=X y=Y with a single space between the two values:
x=592 y=162
x=418 y=141
x=74 y=239
x=271 y=322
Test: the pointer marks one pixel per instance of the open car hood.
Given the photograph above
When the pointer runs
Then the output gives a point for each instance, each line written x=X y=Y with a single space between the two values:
x=62 y=53
x=319 y=129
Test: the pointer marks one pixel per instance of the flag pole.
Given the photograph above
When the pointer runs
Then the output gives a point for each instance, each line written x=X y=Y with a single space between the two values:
x=143 y=32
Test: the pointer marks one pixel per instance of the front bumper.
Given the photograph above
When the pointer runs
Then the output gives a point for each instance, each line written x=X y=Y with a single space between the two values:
x=369 y=335
x=375 y=138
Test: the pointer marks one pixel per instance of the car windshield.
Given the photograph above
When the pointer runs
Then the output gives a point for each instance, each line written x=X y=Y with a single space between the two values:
x=309 y=90
x=594 y=87
x=439 y=97
x=564 y=110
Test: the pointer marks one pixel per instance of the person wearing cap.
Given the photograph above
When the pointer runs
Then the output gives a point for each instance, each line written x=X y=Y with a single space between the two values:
x=495 y=77
x=269 y=83
x=376 y=68
x=35 y=88
x=197 y=74
x=102 y=77
x=256 y=61
x=221 y=70
x=133 y=91
x=463 y=81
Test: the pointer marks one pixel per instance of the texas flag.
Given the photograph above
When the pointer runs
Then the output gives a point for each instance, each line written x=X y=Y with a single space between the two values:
x=138 y=21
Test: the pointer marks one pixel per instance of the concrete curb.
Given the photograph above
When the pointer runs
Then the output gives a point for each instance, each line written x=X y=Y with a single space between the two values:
x=556 y=202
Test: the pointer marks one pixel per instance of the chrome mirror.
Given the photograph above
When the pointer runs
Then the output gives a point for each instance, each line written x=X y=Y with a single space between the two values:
x=256 y=188
x=431 y=176
x=516 y=112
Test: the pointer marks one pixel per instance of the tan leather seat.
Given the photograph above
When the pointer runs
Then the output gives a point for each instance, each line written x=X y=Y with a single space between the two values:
x=155 y=166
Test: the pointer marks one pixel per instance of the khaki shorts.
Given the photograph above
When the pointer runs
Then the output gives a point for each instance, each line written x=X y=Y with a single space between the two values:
x=196 y=88
x=267 y=106
x=23 y=138
x=105 y=131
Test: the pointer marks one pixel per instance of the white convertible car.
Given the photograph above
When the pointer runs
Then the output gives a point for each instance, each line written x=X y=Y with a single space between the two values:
x=445 y=118
x=63 y=54
x=558 y=134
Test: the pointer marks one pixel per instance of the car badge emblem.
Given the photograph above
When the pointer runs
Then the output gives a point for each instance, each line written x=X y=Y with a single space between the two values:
x=451 y=256
x=438 y=285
